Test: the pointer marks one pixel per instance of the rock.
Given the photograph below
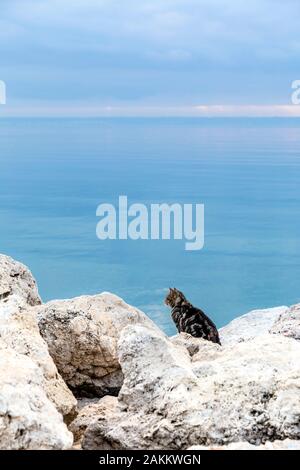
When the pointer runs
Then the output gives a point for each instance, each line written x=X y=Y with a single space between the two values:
x=250 y=325
x=287 y=444
x=28 y=420
x=288 y=323
x=88 y=413
x=188 y=342
x=85 y=401
x=175 y=393
x=196 y=347
x=82 y=336
x=16 y=279
x=245 y=392
x=19 y=330
x=207 y=352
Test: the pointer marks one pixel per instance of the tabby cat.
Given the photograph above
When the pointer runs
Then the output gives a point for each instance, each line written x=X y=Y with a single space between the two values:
x=190 y=319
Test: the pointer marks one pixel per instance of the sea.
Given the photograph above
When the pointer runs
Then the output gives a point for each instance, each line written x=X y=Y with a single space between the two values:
x=54 y=172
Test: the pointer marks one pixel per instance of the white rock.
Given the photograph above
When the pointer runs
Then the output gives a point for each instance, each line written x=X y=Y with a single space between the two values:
x=287 y=444
x=288 y=323
x=196 y=347
x=82 y=336
x=245 y=392
x=19 y=330
x=28 y=420
x=188 y=342
x=16 y=279
x=90 y=412
x=250 y=325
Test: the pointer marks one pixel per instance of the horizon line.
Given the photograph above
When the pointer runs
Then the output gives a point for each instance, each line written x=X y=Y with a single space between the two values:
x=198 y=111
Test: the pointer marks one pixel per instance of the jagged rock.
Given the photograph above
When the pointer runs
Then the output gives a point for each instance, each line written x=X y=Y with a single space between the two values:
x=288 y=323
x=82 y=336
x=287 y=444
x=28 y=420
x=16 y=279
x=207 y=352
x=245 y=392
x=19 y=330
x=250 y=325
x=82 y=402
x=90 y=412
x=188 y=342
x=196 y=347
x=176 y=393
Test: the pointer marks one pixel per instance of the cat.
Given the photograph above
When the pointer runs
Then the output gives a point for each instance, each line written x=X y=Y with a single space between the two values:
x=190 y=319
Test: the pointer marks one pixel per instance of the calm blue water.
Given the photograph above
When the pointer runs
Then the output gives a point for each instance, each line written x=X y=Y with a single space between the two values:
x=54 y=173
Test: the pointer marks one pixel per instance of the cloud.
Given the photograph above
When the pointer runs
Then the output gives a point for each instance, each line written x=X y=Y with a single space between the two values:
x=151 y=52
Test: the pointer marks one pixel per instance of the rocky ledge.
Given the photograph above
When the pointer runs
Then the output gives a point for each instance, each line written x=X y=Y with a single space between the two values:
x=97 y=373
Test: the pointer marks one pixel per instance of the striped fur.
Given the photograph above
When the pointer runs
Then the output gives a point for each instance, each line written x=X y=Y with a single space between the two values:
x=190 y=319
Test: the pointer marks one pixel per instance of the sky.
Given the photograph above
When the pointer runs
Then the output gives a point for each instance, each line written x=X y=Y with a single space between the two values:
x=149 y=57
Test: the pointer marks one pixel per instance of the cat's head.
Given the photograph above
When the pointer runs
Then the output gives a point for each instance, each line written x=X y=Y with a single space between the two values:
x=174 y=297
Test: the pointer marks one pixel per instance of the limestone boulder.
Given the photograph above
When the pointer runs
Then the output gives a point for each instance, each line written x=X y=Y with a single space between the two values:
x=19 y=330
x=196 y=347
x=286 y=444
x=188 y=342
x=28 y=419
x=250 y=325
x=82 y=336
x=16 y=279
x=246 y=392
x=288 y=323
x=90 y=412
